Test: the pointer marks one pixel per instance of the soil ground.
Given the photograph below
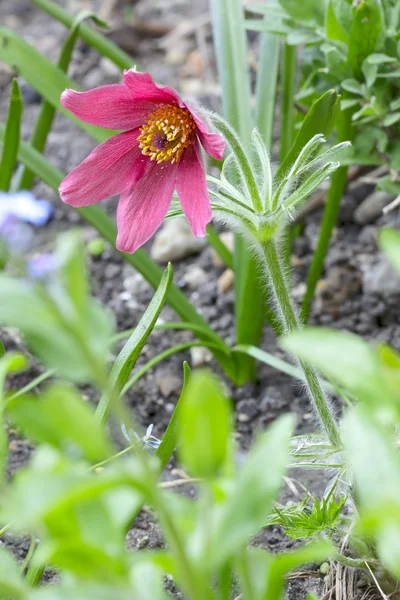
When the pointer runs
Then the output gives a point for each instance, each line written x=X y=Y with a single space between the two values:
x=358 y=293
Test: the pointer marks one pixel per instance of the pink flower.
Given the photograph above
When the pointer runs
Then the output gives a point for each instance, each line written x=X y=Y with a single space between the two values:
x=158 y=152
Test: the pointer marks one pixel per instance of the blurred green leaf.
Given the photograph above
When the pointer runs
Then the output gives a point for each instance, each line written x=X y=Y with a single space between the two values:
x=365 y=34
x=64 y=327
x=60 y=418
x=204 y=426
x=11 y=137
x=375 y=463
x=170 y=437
x=11 y=583
x=129 y=354
x=51 y=495
x=338 y=20
x=311 y=11
x=248 y=502
x=389 y=241
x=267 y=573
x=352 y=362
x=85 y=560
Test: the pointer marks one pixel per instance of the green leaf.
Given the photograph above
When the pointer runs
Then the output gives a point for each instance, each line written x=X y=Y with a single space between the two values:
x=64 y=327
x=375 y=464
x=288 y=561
x=391 y=119
x=230 y=48
x=353 y=86
x=129 y=354
x=389 y=241
x=365 y=34
x=320 y=118
x=42 y=75
x=11 y=583
x=170 y=437
x=85 y=560
x=352 y=362
x=311 y=11
x=266 y=83
x=51 y=493
x=338 y=20
x=336 y=62
x=60 y=418
x=250 y=499
x=11 y=137
x=204 y=426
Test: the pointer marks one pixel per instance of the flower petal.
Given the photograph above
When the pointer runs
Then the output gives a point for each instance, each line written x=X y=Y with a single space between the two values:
x=110 y=169
x=142 y=208
x=111 y=106
x=191 y=186
x=143 y=88
x=213 y=143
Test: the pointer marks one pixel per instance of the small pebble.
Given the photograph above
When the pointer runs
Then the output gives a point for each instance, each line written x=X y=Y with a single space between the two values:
x=143 y=542
x=175 y=241
x=199 y=355
x=225 y=281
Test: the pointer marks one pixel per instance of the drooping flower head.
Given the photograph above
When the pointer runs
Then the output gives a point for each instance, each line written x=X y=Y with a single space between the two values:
x=159 y=151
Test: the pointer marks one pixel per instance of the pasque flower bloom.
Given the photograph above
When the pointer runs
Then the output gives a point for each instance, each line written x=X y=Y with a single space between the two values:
x=159 y=151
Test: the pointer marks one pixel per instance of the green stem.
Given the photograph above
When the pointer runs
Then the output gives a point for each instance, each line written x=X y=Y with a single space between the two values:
x=291 y=323
x=331 y=212
x=92 y=37
x=287 y=102
x=11 y=137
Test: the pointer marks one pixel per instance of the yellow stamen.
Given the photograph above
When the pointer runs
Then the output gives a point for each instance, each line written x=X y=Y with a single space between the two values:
x=166 y=133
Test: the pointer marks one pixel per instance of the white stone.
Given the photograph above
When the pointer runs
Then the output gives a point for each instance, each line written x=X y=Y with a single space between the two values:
x=175 y=241
x=195 y=277
x=199 y=355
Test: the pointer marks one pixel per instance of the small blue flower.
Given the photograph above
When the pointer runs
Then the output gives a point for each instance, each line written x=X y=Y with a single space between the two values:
x=23 y=206
x=41 y=266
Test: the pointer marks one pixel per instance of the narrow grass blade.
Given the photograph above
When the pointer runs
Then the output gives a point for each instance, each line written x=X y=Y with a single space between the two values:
x=168 y=443
x=206 y=332
x=129 y=354
x=268 y=68
x=42 y=75
x=335 y=195
x=162 y=356
x=47 y=112
x=11 y=137
x=140 y=260
x=89 y=35
x=288 y=89
x=231 y=53
x=220 y=248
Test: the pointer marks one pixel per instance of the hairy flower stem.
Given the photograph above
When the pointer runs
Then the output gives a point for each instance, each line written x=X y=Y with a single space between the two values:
x=290 y=323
